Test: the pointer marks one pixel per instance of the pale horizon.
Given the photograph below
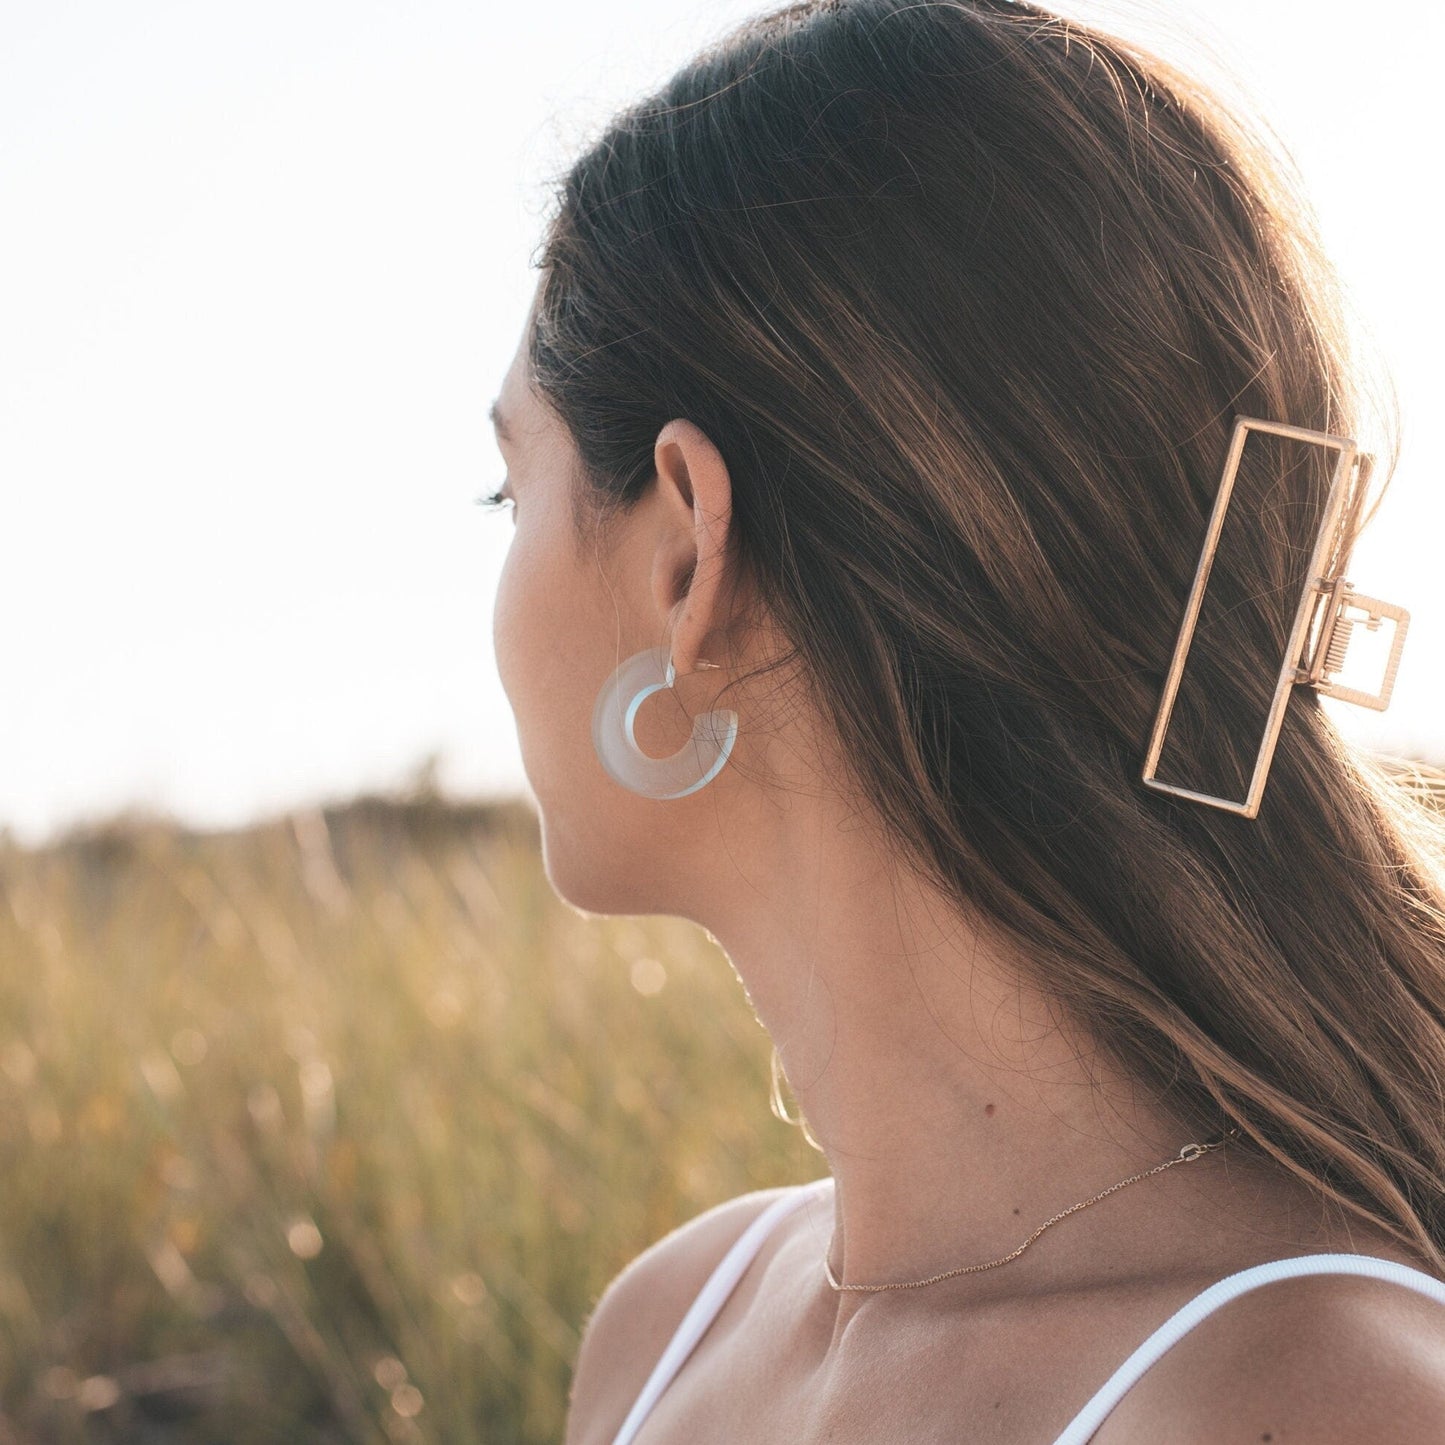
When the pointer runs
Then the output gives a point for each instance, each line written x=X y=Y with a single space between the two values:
x=270 y=265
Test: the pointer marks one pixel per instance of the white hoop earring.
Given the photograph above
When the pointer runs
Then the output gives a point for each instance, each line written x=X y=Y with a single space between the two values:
x=696 y=763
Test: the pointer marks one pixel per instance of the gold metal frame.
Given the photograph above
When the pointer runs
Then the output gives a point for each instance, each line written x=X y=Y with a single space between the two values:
x=1324 y=600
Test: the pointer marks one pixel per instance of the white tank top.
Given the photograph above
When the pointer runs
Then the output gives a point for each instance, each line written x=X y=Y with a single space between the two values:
x=721 y=1282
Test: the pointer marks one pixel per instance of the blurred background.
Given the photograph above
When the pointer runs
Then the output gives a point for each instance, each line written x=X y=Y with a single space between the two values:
x=320 y=1117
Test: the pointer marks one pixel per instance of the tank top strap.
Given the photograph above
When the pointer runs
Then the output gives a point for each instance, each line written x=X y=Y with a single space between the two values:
x=710 y=1299
x=1088 y=1420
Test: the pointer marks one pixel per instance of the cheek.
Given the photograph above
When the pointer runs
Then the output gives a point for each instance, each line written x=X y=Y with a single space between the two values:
x=535 y=636
x=509 y=618
x=501 y=624
x=562 y=617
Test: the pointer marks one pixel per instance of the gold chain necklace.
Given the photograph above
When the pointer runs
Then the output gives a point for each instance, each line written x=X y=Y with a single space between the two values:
x=1184 y=1156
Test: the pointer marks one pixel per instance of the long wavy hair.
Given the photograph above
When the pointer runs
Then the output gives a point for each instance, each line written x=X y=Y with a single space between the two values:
x=968 y=296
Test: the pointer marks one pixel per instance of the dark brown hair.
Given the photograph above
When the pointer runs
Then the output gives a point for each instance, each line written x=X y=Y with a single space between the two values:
x=968 y=297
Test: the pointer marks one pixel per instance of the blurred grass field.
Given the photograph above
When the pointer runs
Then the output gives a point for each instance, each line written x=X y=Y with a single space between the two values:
x=334 y=1128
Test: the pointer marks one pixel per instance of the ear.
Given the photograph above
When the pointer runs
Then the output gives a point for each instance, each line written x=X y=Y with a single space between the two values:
x=693 y=582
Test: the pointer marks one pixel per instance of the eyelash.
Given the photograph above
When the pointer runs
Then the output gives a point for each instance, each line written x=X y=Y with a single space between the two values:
x=495 y=501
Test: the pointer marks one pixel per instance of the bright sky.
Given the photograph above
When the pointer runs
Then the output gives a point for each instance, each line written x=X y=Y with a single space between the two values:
x=262 y=267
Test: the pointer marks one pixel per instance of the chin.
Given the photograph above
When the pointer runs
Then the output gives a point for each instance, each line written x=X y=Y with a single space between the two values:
x=582 y=871
x=594 y=867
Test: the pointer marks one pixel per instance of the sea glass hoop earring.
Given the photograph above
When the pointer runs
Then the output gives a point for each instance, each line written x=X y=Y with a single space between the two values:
x=696 y=763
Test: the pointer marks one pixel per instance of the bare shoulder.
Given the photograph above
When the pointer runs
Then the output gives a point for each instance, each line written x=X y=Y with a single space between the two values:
x=1332 y=1359
x=641 y=1308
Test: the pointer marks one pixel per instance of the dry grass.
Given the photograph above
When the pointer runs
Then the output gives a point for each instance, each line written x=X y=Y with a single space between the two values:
x=334 y=1129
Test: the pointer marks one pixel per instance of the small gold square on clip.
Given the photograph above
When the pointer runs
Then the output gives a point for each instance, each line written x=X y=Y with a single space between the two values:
x=1334 y=641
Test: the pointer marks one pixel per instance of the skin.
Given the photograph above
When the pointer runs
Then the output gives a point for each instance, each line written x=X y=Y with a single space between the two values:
x=956 y=1109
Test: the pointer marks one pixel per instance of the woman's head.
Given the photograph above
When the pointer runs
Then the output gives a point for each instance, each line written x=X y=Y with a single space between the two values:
x=953 y=305
x=570 y=607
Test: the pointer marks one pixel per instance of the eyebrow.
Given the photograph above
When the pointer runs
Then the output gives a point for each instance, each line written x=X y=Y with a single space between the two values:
x=500 y=422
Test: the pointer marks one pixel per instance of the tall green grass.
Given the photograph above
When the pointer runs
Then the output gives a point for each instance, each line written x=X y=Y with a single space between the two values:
x=334 y=1129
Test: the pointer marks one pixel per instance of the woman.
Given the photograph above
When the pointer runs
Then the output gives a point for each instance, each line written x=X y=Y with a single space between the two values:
x=874 y=396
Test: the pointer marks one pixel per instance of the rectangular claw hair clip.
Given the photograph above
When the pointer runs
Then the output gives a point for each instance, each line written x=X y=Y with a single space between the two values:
x=1328 y=611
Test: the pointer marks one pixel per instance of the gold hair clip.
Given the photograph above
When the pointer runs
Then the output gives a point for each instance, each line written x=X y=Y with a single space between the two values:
x=1325 y=600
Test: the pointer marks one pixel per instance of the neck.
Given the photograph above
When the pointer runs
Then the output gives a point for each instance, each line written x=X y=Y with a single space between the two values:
x=956 y=1110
